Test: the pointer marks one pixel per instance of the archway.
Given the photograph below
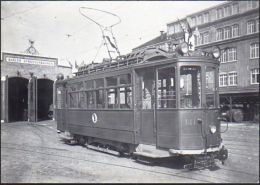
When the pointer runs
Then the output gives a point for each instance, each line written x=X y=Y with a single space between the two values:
x=44 y=98
x=17 y=99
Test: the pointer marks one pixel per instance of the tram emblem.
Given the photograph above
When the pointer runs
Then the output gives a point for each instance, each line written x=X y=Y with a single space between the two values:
x=94 y=117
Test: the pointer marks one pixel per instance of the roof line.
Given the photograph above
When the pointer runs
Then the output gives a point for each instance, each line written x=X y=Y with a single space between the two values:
x=215 y=6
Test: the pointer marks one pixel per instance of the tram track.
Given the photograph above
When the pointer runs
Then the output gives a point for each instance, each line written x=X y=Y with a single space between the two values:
x=201 y=177
x=106 y=163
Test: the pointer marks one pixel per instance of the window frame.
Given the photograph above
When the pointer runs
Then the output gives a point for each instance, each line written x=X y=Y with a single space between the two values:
x=223 y=79
x=175 y=83
x=251 y=26
x=234 y=29
x=252 y=72
x=201 y=86
x=215 y=86
x=220 y=34
x=232 y=75
x=227 y=33
x=254 y=50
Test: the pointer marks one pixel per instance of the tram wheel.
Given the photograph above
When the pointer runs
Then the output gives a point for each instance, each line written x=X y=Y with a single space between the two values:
x=82 y=141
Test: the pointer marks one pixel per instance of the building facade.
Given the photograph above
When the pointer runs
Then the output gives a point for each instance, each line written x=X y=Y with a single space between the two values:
x=27 y=84
x=233 y=26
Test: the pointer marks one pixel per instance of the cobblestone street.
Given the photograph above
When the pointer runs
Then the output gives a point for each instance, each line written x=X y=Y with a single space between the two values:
x=33 y=152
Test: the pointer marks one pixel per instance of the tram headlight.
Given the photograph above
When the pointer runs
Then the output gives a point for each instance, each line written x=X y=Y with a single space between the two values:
x=182 y=48
x=213 y=129
x=216 y=52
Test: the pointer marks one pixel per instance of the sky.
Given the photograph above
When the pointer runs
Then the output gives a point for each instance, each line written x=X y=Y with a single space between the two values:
x=61 y=31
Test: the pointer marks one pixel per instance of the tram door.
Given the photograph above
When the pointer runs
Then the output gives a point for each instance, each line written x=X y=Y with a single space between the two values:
x=146 y=105
x=32 y=100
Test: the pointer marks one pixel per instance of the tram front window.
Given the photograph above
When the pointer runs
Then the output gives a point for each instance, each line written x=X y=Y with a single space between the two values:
x=190 y=87
x=166 y=93
x=210 y=87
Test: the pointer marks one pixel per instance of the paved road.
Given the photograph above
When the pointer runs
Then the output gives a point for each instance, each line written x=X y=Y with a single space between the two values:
x=34 y=153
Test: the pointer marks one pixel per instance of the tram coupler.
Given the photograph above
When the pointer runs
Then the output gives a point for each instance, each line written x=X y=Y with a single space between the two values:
x=222 y=155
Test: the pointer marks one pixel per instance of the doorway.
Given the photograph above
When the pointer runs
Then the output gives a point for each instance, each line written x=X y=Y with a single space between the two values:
x=44 y=99
x=17 y=99
x=145 y=97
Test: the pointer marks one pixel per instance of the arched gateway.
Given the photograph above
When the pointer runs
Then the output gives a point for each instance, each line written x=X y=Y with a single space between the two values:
x=27 y=87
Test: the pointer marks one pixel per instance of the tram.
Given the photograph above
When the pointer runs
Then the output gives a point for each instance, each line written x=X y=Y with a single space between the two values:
x=149 y=103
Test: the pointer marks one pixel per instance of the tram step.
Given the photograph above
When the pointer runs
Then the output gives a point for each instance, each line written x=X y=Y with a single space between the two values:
x=145 y=154
x=105 y=150
x=151 y=151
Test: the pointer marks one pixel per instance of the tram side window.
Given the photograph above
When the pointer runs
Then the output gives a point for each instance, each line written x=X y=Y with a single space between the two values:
x=99 y=83
x=82 y=101
x=210 y=87
x=73 y=100
x=190 y=87
x=166 y=94
x=100 y=98
x=148 y=90
x=125 y=79
x=126 y=97
x=125 y=92
x=90 y=99
x=89 y=84
x=112 y=81
x=112 y=99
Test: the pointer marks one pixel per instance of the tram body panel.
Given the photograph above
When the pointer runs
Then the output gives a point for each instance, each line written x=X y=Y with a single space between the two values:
x=195 y=135
x=106 y=124
x=168 y=135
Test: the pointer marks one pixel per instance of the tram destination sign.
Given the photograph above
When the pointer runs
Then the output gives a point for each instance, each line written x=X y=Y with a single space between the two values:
x=45 y=62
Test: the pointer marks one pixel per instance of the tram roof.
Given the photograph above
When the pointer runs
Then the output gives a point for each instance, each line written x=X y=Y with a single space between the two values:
x=141 y=59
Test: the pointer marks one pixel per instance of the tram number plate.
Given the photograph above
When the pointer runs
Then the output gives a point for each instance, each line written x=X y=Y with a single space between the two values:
x=190 y=122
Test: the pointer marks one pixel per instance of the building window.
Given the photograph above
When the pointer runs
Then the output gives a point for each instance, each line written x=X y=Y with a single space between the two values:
x=170 y=30
x=199 y=40
x=235 y=9
x=251 y=27
x=206 y=17
x=205 y=38
x=255 y=76
x=250 y=5
x=232 y=78
x=200 y=19
x=257 y=25
x=227 y=11
x=232 y=54
x=177 y=28
x=228 y=55
x=254 y=50
x=193 y=21
x=219 y=34
x=223 y=58
x=223 y=80
x=235 y=30
x=220 y=13
x=227 y=32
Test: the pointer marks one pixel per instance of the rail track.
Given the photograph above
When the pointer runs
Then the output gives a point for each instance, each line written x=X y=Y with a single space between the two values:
x=165 y=167
x=193 y=175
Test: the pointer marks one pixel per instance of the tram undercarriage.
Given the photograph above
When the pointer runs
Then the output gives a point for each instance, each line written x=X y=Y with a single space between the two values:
x=206 y=159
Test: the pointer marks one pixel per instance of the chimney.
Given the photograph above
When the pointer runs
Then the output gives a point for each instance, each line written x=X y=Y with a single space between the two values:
x=161 y=34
